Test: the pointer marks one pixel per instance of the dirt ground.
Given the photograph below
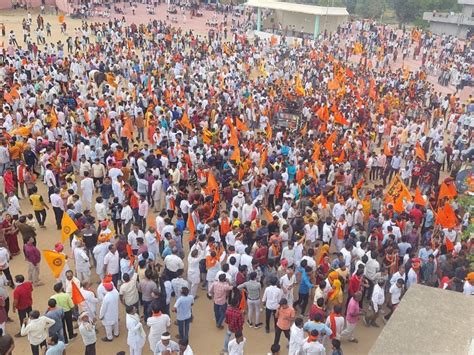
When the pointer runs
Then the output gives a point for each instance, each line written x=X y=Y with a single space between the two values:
x=205 y=338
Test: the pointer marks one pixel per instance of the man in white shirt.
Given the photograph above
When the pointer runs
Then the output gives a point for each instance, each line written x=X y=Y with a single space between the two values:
x=236 y=345
x=376 y=303
x=111 y=264
x=311 y=231
x=87 y=187
x=81 y=260
x=173 y=263
x=100 y=209
x=58 y=207
x=126 y=216
x=312 y=345
x=50 y=179
x=271 y=298
x=396 y=291
x=327 y=231
x=132 y=237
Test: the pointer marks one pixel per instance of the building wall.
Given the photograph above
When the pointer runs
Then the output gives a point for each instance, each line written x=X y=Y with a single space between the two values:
x=303 y=22
x=7 y=4
x=468 y=10
x=440 y=28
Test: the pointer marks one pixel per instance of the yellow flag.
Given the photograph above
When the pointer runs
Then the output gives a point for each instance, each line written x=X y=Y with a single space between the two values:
x=55 y=261
x=67 y=227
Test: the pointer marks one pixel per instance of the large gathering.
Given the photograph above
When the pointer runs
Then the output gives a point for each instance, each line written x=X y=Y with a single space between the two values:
x=170 y=188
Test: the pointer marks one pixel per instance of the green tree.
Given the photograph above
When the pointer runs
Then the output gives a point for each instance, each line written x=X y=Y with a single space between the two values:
x=408 y=10
x=351 y=6
x=372 y=9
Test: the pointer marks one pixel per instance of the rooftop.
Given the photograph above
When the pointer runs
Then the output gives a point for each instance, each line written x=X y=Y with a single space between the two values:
x=298 y=8
x=429 y=321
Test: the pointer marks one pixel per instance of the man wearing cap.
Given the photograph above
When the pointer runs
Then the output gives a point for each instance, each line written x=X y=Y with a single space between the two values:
x=166 y=345
x=109 y=312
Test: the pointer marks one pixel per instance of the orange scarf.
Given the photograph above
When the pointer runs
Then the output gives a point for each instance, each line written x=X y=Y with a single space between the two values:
x=332 y=321
x=211 y=261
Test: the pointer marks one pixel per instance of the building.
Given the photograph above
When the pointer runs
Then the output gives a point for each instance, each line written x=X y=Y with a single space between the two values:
x=460 y=24
x=429 y=320
x=296 y=20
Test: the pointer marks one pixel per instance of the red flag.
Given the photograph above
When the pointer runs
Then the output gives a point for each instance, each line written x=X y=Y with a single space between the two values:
x=77 y=297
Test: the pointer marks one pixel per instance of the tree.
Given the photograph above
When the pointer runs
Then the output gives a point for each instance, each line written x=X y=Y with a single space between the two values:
x=372 y=9
x=407 y=10
x=351 y=6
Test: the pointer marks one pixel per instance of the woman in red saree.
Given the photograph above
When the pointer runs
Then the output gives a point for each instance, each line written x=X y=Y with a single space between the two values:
x=11 y=234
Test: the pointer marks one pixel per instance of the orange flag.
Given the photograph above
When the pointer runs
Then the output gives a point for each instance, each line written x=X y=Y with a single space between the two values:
x=263 y=158
x=235 y=155
x=61 y=19
x=105 y=123
x=191 y=227
x=323 y=113
x=304 y=130
x=341 y=157
x=55 y=261
x=324 y=201
x=420 y=152
x=267 y=215
x=211 y=184
x=419 y=200
x=333 y=85
x=398 y=205
x=386 y=150
x=241 y=173
x=131 y=257
x=77 y=297
x=446 y=190
x=127 y=129
x=449 y=245
x=240 y=125
x=338 y=118
x=67 y=227
x=316 y=151
x=446 y=216
x=269 y=131
x=329 y=142
x=8 y=97
x=185 y=121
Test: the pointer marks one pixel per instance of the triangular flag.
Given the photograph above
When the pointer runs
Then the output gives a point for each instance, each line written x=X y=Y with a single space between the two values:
x=77 y=297
x=446 y=190
x=316 y=151
x=55 y=261
x=67 y=227
x=329 y=142
x=185 y=122
x=419 y=200
x=338 y=118
x=304 y=130
x=420 y=153
x=211 y=184
x=240 y=125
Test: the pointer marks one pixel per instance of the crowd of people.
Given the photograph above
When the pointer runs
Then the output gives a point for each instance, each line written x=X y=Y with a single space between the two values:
x=160 y=145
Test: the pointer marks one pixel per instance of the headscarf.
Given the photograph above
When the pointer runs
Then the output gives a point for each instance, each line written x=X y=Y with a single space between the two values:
x=333 y=275
x=336 y=290
x=322 y=253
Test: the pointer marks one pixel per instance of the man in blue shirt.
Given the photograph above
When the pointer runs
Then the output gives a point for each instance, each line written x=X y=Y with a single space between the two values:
x=183 y=309
x=317 y=324
x=305 y=286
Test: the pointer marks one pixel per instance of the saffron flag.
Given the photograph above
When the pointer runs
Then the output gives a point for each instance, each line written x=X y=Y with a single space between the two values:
x=191 y=227
x=446 y=190
x=329 y=142
x=269 y=131
x=397 y=189
x=185 y=122
x=67 y=227
x=131 y=257
x=55 y=261
x=263 y=159
x=267 y=215
x=61 y=19
x=419 y=200
x=420 y=152
x=241 y=126
x=304 y=130
x=449 y=245
x=316 y=151
x=446 y=216
x=127 y=129
x=212 y=185
x=235 y=156
x=338 y=118
x=333 y=85
x=77 y=297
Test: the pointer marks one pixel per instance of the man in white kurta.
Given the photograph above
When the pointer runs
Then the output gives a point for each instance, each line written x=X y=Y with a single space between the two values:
x=87 y=187
x=81 y=260
x=136 y=335
x=109 y=312
x=100 y=251
x=194 y=274
x=90 y=301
